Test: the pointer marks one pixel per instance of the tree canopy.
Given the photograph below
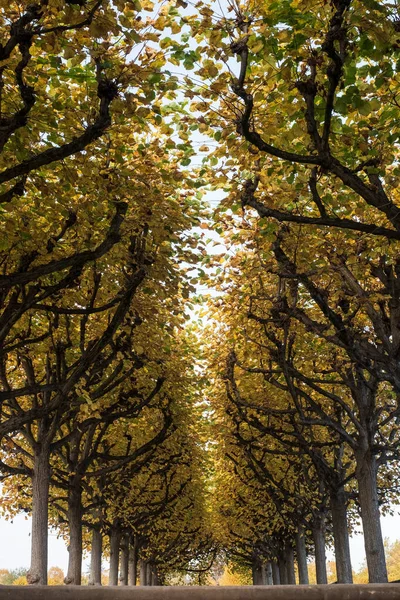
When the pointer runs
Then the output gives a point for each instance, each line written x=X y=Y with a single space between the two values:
x=182 y=387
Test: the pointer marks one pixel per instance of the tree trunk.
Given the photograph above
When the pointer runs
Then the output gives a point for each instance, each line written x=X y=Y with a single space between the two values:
x=341 y=537
x=143 y=572
x=268 y=574
x=123 y=578
x=319 y=544
x=149 y=574
x=257 y=575
x=263 y=574
x=366 y=474
x=115 y=537
x=95 y=558
x=282 y=570
x=156 y=578
x=275 y=573
x=40 y=516
x=301 y=552
x=289 y=555
x=133 y=554
x=257 y=572
x=74 y=573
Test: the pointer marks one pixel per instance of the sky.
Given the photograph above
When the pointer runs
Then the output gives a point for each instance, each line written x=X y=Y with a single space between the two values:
x=15 y=546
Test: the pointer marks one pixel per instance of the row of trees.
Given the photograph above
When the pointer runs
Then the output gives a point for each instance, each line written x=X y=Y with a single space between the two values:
x=305 y=361
x=98 y=402
x=101 y=407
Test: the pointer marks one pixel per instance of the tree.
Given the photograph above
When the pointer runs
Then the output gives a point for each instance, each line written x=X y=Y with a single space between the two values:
x=317 y=148
x=309 y=89
x=157 y=515
x=55 y=576
x=392 y=561
x=66 y=300
x=11 y=577
x=243 y=507
x=88 y=457
x=320 y=464
x=324 y=390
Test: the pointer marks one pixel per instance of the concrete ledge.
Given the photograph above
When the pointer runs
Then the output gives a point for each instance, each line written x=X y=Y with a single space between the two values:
x=303 y=592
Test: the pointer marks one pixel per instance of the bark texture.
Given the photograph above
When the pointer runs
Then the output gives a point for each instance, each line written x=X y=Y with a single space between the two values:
x=95 y=558
x=282 y=570
x=123 y=578
x=301 y=553
x=268 y=574
x=149 y=574
x=74 y=573
x=40 y=516
x=319 y=545
x=257 y=573
x=115 y=537
x=275 y=573
x=366 y=474
x=290 y=574
x=143 y=572
x=341 y=537
x=133 y=560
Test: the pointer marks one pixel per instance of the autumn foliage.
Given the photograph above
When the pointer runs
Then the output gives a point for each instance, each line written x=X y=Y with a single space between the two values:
x=167 y=403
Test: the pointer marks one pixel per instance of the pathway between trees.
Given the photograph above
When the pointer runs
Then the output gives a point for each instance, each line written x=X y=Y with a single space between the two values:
x=314 y=592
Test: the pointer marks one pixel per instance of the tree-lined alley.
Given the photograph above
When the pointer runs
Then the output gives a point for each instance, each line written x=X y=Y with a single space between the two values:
x=264 y=431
